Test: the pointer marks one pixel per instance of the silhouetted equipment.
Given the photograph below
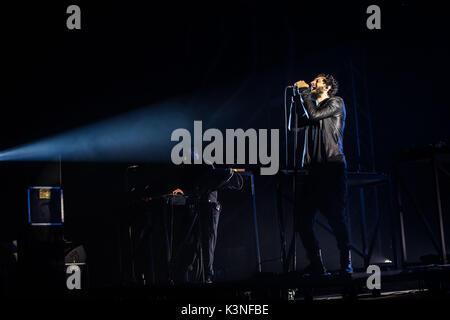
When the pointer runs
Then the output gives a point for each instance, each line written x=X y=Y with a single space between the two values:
x=355 y=180
x=75 y=255
x=250 y=175
x=167 y=227
x=185 y=239
x=41 y=259
x=41 y=246
x=433 y=156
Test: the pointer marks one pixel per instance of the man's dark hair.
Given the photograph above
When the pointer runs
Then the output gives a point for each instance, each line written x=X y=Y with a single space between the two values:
x=329 y=80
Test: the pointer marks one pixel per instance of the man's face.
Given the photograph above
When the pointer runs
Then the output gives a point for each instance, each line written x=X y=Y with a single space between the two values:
x=318 y=87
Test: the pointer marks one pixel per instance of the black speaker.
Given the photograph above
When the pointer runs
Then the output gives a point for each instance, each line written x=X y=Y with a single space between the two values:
x=41 y=245
x=41 y=260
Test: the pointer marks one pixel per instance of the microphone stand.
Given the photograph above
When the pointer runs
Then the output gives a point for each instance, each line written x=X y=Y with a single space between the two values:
x=279 y=191
x=293 y=246
x=292 y=252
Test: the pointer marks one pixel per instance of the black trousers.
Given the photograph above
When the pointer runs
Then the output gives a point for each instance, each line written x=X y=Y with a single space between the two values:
x=325 y=190
x=200 y=245
x=209 y=220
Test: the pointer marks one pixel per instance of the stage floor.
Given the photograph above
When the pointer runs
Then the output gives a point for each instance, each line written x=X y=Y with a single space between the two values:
x=425 y=282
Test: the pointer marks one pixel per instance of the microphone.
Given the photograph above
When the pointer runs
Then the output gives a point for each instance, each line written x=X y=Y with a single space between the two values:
x=294 y=87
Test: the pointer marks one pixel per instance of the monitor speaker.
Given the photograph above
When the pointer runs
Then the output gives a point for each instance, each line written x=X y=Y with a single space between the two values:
x=45 y=206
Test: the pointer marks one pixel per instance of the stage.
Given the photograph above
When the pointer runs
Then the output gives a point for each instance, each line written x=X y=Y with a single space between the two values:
x=175 y=156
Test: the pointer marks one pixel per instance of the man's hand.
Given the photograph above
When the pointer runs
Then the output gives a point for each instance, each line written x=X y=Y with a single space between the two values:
x=301 y=84
x=177 y=191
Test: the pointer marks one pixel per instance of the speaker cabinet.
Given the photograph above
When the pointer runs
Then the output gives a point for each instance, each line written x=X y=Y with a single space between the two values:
x=45 y=206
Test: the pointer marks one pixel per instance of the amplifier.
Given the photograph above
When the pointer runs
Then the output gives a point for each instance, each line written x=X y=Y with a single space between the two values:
x=45 y=206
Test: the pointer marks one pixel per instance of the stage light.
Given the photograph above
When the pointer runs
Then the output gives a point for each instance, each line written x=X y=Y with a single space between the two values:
x=141 y=135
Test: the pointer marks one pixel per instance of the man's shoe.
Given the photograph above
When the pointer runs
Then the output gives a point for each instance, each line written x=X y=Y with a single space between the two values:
x=346 y=263
x=316 y=267
x=208 y=280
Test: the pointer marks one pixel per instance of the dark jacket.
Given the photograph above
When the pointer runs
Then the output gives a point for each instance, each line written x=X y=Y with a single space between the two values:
x=323 y=125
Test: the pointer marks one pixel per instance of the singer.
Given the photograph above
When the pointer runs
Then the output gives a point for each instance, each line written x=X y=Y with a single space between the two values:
x=321 y=114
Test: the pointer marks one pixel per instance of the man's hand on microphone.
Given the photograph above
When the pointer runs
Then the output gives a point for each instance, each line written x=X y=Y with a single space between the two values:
x=301 y=84
x=177 y=191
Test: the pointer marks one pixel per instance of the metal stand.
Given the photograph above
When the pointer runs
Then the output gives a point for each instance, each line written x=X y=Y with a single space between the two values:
x=255 y=219
x=356 y=180
x=168 y=225
x=433 y=157
x=292 y=253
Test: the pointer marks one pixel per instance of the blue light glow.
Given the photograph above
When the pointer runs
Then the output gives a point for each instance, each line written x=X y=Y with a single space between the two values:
x=141 y=135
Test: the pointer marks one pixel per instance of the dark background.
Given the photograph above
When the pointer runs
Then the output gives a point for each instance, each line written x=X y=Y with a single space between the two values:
x=233 y=61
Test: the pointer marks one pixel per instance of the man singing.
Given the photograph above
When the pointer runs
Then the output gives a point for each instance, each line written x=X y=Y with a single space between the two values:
x=325 y=188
